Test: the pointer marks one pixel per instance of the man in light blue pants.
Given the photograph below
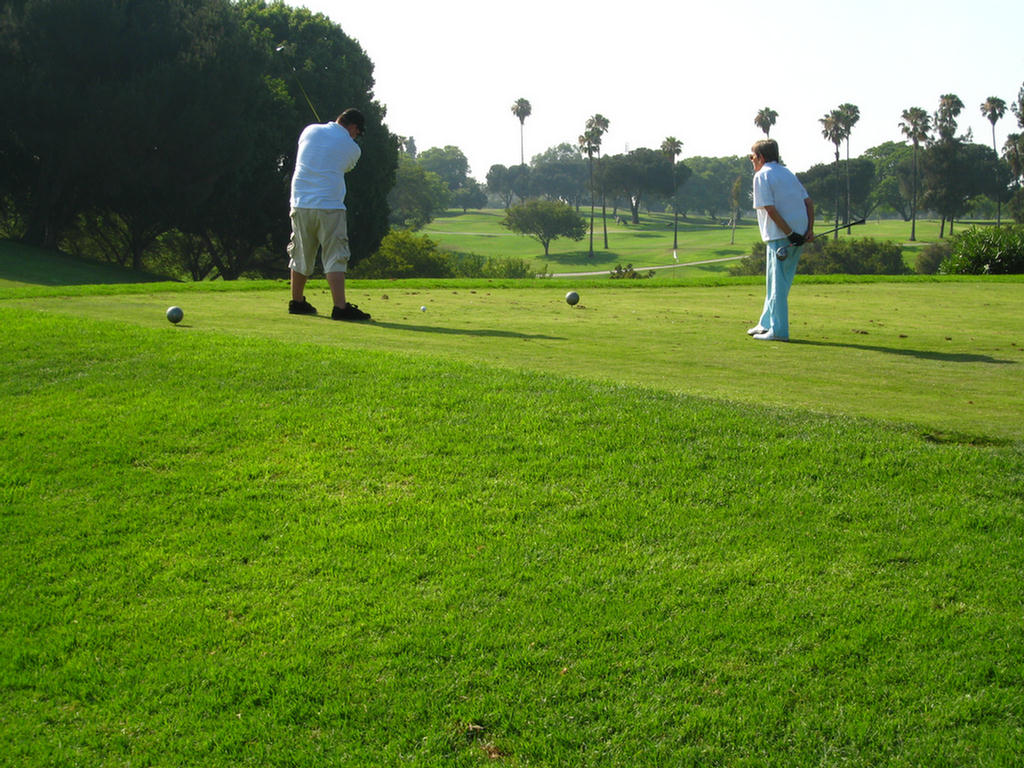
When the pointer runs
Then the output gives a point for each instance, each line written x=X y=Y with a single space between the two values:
x=785 y=217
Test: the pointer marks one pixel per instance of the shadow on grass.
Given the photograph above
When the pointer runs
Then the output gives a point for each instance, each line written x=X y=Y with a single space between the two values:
x=946 y=357
x=466 y=331
x=45 y=267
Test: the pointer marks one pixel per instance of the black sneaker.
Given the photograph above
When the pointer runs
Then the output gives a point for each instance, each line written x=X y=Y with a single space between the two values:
x=350 y=312
x=301 y=307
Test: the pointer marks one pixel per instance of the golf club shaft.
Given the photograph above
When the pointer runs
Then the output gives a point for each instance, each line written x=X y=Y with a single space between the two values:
x=282 y=47
x=307 y=98
x=836 y=229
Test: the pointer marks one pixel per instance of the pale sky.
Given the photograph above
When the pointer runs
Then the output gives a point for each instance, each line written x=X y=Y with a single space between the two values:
x=449 y=71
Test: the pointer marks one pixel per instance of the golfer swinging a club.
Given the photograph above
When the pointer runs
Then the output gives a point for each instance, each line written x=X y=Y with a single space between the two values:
x=327 y=151
x=785 y=216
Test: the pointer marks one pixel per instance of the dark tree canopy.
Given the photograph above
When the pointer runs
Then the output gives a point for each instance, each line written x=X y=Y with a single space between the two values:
x=125 y=121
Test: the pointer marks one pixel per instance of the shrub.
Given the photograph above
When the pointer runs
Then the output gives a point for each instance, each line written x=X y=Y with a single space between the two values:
x=475 y=265
x=507 y=268
x=852 y=256
x=986 y=251
x=628 y=273
x=750 y=265
x=930 y=258
x=849 y=256
x=405 y=254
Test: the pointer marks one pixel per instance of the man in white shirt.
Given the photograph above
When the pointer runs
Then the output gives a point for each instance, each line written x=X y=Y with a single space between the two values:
x=785 y=216
x=327 y=151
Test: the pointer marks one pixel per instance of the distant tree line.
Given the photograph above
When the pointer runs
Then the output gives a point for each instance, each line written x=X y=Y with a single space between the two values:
x=938 y=171
x=164 y=131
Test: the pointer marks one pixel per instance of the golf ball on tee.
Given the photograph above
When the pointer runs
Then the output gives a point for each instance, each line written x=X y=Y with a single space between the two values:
x=572 y=298
x=175 y=314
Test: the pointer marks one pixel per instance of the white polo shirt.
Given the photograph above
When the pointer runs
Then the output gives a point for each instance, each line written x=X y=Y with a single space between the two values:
x=776 y=185
x=326 y=153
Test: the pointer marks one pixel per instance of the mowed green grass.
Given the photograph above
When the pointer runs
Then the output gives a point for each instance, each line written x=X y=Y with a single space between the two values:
x=647 y=244
x=488 y=534
x=944 y=356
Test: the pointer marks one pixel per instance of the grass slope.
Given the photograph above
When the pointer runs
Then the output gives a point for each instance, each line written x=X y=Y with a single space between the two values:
x=224 y=551
x=25 y=265
x=503 y=531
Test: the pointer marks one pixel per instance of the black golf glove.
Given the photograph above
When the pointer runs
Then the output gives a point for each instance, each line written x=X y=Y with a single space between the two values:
x=796 y=239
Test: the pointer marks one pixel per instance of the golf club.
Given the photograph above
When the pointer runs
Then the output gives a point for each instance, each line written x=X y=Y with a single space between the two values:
x=783 y=253
x=836 y=229
x=280 y=48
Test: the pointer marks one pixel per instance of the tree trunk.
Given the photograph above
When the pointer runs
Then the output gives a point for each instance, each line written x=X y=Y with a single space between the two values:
x=835 y=235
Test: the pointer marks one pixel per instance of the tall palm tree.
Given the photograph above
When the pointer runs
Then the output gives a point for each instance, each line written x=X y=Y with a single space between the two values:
x=915 y=126
x=945 y=118
x=522 y=110
x=589 y=143
x=947 y=145
x=849 y=114
x=994 y=108
x=765 y=120
x=672 y=147
x=599 y=125
x=832 y=129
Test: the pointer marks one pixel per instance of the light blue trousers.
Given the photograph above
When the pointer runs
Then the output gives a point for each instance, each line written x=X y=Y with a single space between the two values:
x=778 y=277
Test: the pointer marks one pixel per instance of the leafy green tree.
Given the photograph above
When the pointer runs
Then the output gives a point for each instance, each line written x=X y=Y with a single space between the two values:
x=545 y=220
x=765 y=119
x=1013 y=154
x=418 y=195
x=993 y=108
x=469 y=195
x=637 y=174
x=709 y=187
x=916 y=126
x=161 y=89
x=954 y=178
x=408 y=146
x=522 y=110
x=508 y=183
x=499 y=183
x=559 y=173
x=821 y=183
x=448 y=163
x=736 y=196
x=892 y=186
x=1017 y=107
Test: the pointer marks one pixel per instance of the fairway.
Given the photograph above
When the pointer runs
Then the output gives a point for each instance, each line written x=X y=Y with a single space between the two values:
x=646 y=244
x=946 y=357
x=507 y=531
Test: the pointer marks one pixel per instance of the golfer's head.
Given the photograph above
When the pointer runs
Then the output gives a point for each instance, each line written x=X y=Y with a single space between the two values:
x=766 y=149
x=353 y=120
